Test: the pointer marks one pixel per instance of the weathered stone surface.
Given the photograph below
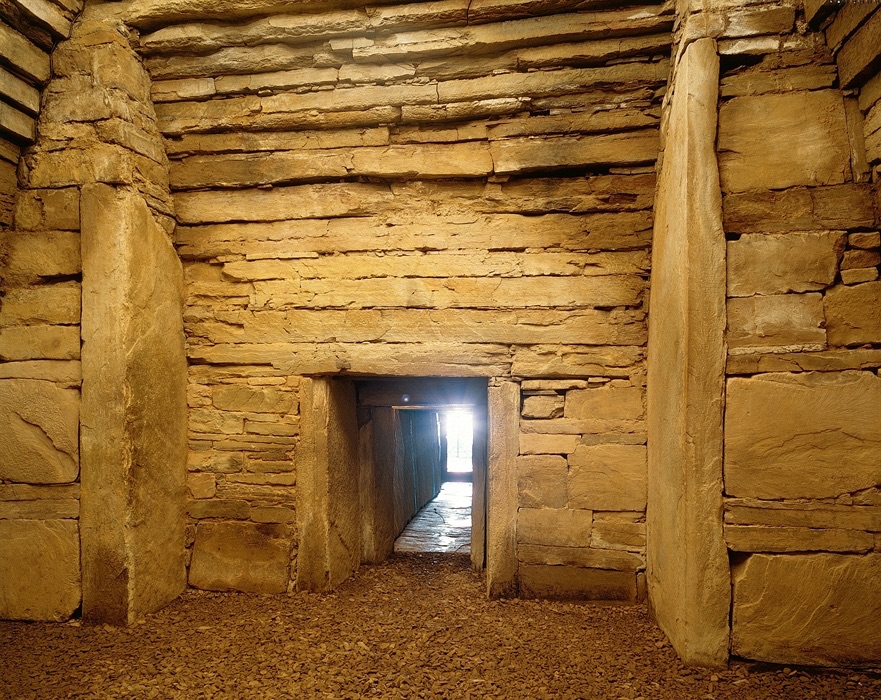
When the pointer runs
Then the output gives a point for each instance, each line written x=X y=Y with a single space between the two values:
x=239 y=397
x=538 y=581
x=133 y=428
x=756 y=82
x=759 y=538
x=58 y=303
x=542 y=406
x=249 y=557
x=552 y=555
x=608 y=477
x=44 y=254
x=43 y=509
x=853 y=314
x=40 y=342
x=808 y=609
x=20 y=92
x=836 y=207
x=560 y=527
x=743 y=511
x=860 y=258
x=828 y=361
x=860 y=275
x=780 y=263
x=40 y=576
x=783 y=140
x=616 y=534
x=39 y=444
x=606 y=403
x=228 y=508
x=858 y=58
x=787 y=435
x=16 y=50
x=541 y=481
x=687 y=569
x=864 y=240
x=47 y=210
x=792 y=321
x=531 y=443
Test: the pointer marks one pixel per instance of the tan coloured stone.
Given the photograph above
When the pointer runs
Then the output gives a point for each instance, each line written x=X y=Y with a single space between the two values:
x=614 y=534
x=608 y=477
x=40 y=576
x=860 y=275
x=44 y=254
x=688 y=573
x=541 y=481
x=778 y=141
x=829 y=360
x=17 y=50
x=787 y=435
x=542 y=407
x=202 y=485
x=858 y=58
x=538 y=581
x=800 y=209
x=64 y=373
x=780 y=263
x=20 y=92
x=533 y=154
x=860 y=258
x=47 y=509
x=48 y=210
x=853 y=314
x=606 y=403
x=249 y=557
x=559 y=527
x=538 y=444
x=808 y=609
x=133 y=426
x=810 y=77
x=758 y=538
x=53 y=304
x=40 y=342
x=792 y=321
x=227 y=508
x=866 y=241
x=236 y=397
x=39 y=444
x=743 y=511
x=579 y=556
x=42 y=492
x=273 y=515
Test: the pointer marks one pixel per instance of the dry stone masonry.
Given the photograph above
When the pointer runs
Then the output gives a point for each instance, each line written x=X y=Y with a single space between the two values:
x=224 y=224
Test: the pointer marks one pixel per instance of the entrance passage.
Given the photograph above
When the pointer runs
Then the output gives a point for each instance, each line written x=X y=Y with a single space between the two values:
x=443 y=526
x=422 y=461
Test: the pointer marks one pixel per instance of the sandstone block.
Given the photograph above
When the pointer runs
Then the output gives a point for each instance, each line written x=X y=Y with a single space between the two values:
x=541 y=481
x=787 y=435
x=860 y=258
x=55 y=304
x=249 y=557
x=42 y=342
x=40 y=576
x=858 y=276
x=605 y=403
x=579 y=556
x=48 y=210
x=40 y=441
x=201 y=485
x=560 y=527
x=538 y=581
x=780 y=263
x=783 y=140
x=743 y=511
x=44 y=254
x=535 y=444
x=793 y=321
x=228 y=508
x=239 y=397
x=835 y=207
x=542 y=407
x=608 y=477
x=853 y=314
x=207 y=421
x=759 y=538
x=865 y=241
x=41 y=509
x=808 y=609
x=616 y=534
x=18 y=51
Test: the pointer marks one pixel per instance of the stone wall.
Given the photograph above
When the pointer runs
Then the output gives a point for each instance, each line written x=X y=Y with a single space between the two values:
x=29 y=31
x=94 y=193
x=802 y=428
x=445 y=189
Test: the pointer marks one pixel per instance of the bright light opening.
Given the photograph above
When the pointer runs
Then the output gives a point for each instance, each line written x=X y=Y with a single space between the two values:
x=460 y=435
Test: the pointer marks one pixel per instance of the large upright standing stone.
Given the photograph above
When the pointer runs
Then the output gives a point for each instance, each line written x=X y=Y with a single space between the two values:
x=133 y=431
x=687 y=561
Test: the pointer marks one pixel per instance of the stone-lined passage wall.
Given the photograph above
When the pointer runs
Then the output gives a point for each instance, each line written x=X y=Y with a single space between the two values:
x=97 y=168
x=29 y=30
x=430 y=189
x=803 y=420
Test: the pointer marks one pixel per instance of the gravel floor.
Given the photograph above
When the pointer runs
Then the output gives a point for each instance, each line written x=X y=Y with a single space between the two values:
x=417 y=626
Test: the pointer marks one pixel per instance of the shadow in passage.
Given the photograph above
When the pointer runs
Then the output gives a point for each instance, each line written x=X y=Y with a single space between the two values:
x=444 y=525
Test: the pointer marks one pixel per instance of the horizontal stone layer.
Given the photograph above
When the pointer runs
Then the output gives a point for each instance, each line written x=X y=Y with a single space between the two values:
x=759 y=538
x=511 y=27
x=518 y=327
x=801 y=514
x=823 y=361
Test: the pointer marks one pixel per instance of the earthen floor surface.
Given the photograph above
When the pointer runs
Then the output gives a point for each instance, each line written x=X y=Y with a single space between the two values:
x=417 y=626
